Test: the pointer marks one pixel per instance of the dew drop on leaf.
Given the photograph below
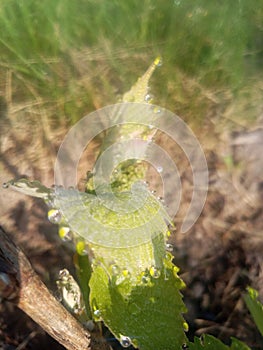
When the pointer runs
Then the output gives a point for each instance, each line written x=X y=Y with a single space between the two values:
x=65 y=234
x=186 y=326
x=156 y=110
x=54 y=216
x=168 y=233
x=125 y=273
x=145 y=278
x=115 y=270
x=81 y=248
x=175 y=270
x=168 y=257
x=169 y=247
x=97 y=313
x=148 y=97
x=125 y=341
x=158 y=61
x=121 y=276
x=155 y=272
x=119 y=279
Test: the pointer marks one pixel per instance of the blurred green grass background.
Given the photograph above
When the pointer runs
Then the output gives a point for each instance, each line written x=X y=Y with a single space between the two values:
x=61 y=59
x=71 y=57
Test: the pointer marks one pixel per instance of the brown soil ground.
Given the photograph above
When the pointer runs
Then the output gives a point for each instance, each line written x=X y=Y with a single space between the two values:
x=218 y=257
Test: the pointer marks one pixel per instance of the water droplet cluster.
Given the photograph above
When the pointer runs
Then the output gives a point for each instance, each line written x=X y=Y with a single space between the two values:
x=150 y=274
x=118 y=274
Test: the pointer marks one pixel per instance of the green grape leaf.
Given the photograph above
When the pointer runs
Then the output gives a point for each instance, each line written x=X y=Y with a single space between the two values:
x=238 y=345
x=139 y=91
x=208 y=342
x=84 y=271
x=116 y=220
x=147 y=314
x=255 y=307
x=31 y=188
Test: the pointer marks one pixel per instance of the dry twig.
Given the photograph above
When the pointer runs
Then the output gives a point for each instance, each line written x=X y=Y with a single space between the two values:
x=21 y=285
